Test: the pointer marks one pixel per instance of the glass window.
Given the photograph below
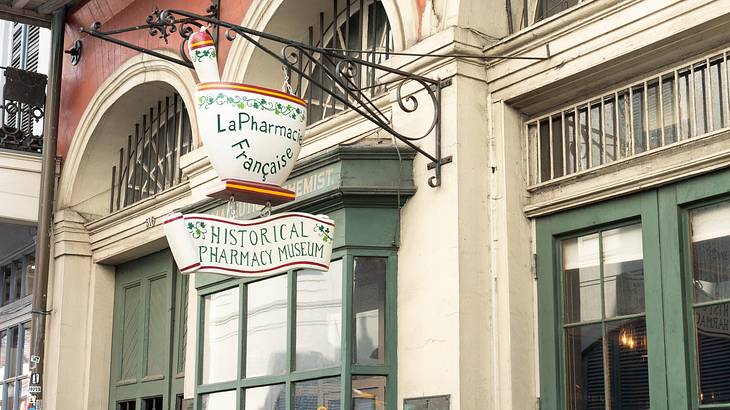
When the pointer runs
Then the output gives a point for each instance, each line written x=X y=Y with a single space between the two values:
x=369 y=310
x=220 y=338
x=314 y=394
x=319 y=317
x=368 y=392
x=291 y=339
x=605 y=330
x=17 y=279
x=266 y=318
x=710 y=237
x=266 y=398
x=7 y=273
x=219 y=401
x=3 y=352
x=29 y=274
x=14 y=345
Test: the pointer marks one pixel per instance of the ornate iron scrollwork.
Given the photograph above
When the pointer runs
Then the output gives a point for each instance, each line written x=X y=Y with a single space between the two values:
x=22 y=110
x=300 y=58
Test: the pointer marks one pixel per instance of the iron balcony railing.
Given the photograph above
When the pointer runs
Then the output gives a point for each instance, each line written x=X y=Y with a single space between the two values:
x=21 y=111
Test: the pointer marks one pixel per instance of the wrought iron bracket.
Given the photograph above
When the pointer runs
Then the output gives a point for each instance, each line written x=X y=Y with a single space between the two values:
x=301 y=58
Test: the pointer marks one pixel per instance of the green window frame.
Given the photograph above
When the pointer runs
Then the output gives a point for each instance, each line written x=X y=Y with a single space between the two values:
x=347 y=370
x=672 y=347
x=15 y=365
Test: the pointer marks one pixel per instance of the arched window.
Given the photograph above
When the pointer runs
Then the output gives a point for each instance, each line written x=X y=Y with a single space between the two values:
x=150 y=163
x=358 y=25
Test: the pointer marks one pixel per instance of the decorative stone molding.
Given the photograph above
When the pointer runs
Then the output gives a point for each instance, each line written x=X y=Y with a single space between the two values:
x=136 y=71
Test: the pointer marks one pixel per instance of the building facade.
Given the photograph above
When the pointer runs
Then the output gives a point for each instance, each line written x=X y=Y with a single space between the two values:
x=24 y=62
x=573 y=256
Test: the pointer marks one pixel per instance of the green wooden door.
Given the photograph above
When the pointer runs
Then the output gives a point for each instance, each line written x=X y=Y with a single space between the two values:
x=582 y=318
x=146 y=370
x=686 y=273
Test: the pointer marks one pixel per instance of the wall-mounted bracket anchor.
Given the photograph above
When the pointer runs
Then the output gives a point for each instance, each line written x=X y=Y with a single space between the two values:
x=75 y=52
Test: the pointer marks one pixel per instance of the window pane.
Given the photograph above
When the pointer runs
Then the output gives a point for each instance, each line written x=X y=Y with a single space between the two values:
x=557 y=128
x=29 y=274
x=3 y=353
x=628 y=364
x=368 y=392
x=652 y=107
x=266 y=327
x=596 y=131
x=369 y=310
x=711 y=252
x=7 y=283
x=700 y=95
x=637 y=119
x=26 y=348
x=533 y=155
x=570 y=144
x=609 y=115
x=584 y=365
x=582 y=279
x=670 y=120
x=23 y=399
x=318 y=317
x=220 y=337
x=313 y=394
x=624 y=146
x=713 y=351
x=623 y=271
x=718 y=94
x=218 y=401
x=544 y=150
x=583 y=144
x=11 y=395
x=266 y=398
x=17 y=279
x=684 y=105
x=14 y=342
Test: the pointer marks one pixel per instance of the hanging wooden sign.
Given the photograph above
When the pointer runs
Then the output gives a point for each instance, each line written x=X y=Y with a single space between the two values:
x=265 y=246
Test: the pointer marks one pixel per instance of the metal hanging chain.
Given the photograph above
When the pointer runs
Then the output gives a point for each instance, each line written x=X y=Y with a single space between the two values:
x=231 y=208
x=266 y=210
x=286 y=87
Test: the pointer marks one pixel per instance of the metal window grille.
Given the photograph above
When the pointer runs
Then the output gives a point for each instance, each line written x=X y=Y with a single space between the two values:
x=151 y=162
x=685 y=102
x=367 y=33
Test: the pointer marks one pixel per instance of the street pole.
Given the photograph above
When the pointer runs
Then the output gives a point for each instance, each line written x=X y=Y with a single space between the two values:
x=45 y=211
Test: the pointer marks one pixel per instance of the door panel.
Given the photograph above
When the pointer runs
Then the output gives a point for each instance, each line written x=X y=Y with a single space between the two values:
x=145 y=316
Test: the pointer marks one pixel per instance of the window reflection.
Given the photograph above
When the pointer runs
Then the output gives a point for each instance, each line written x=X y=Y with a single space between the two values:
x=220 y=337
x=266 y=398
x=711 y=281
x=369 y=310
x=314 y=394
x=582 y=287
x=266 y=327
x=606 y=359
x=219 y=401
x=368 y=392
x=318 y=317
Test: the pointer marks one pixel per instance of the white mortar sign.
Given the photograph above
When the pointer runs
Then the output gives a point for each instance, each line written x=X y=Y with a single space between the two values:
x=261 y=247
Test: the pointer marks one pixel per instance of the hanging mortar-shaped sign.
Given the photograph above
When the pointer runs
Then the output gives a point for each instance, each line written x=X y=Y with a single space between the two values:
x=252 y=134
x=204 y=56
